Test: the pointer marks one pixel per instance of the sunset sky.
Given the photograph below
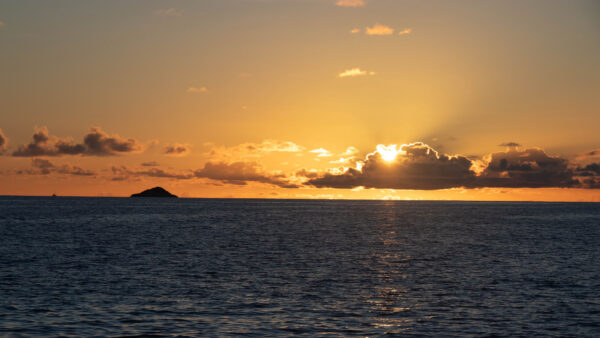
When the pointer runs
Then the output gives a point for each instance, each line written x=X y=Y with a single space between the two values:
x=357 y=99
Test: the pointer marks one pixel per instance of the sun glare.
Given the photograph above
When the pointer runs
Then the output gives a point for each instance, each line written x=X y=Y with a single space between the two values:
x=388 y=153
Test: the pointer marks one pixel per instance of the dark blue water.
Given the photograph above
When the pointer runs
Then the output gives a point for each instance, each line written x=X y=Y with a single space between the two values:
x=190 y=267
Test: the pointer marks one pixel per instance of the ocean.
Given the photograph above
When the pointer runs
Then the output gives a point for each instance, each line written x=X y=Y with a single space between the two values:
x=224 y=267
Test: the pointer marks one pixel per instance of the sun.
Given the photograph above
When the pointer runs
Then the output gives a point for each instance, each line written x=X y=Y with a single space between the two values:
x=387 y=153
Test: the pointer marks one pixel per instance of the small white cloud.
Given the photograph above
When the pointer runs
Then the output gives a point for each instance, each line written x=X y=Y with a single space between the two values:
x=321 y=152
x=354 y=72
x=405 y=31
x=351 y=151
x=168 y=12
x=350 y=3
x=378 y=29
x=197 y=90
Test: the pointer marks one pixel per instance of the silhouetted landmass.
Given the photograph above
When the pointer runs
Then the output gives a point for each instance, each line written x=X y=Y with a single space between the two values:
x=154 y=192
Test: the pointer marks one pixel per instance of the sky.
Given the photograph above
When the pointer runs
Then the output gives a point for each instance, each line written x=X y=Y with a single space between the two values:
x=345 y=99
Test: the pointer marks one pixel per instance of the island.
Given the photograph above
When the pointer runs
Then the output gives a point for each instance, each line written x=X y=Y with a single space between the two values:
x=154 y=192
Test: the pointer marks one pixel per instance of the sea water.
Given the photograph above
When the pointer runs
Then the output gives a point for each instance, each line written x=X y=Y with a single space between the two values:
x=218 y=267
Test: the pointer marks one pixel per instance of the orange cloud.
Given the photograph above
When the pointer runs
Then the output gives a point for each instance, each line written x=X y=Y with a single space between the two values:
x=350 y=3
x=355 y=31
x=405 y=31
x=240 y=173
x=378 y=29
x=122 y=173
x=353 y=72
x=197 y=90
x=246 y=150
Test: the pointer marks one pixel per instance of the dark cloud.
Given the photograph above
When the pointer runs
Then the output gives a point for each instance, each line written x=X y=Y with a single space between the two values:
x=240 y=173
x=592 y=169
x=419 y=167
x=589 y=175
x=100 y=143
x=529 y=168
x=150 y=164
x=509 y=144
x=177 y=149
x=41 y=166
x=45 y=145
x=96 y=142
x=3 y=141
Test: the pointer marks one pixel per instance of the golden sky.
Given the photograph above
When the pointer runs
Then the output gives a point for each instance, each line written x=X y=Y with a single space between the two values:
x=384 y=99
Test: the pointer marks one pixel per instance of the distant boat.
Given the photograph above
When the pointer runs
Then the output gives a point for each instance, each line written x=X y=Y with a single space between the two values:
x=53 y=195
x=154 y=192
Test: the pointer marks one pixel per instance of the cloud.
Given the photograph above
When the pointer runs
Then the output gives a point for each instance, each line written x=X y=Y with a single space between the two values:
x=45 y=167
x=177 y=149
x=150 y=164
x=96 y=142
x=169 y=12
x=355 y=31
x=417 y=166
x=321 y=152
x=528 y=168
x=197 y=90
x=378 y=29
x=248 y=149
x=350 y=151
x=44 y=144
x=240 y=173
x=589 y=175
x=592 y=169
x=354 y=72
x=414 y=166
x=3 y=141
x=122 y=173
x=405 y=31
x=589 y=156
x=350 y=3
x=509 y=144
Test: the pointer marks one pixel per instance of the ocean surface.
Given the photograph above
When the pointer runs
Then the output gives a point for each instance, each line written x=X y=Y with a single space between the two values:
x=218 y=267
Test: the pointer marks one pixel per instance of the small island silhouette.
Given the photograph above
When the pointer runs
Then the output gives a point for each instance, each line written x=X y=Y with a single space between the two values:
x=154 y=192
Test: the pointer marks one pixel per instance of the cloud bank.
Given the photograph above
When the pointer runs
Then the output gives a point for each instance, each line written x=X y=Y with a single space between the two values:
x=240 y=173
x=95 y=143
x=45 y=167
x=417 y=166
